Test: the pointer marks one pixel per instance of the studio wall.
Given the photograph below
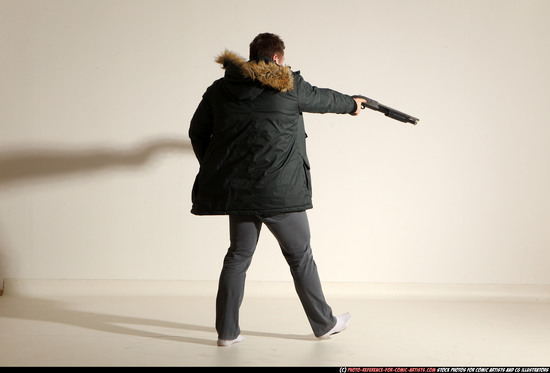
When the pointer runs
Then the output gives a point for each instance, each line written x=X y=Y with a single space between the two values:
x=96 y=168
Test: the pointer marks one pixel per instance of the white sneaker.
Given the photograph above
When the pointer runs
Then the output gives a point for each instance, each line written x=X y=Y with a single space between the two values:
x=342 y=323
x=229 y=342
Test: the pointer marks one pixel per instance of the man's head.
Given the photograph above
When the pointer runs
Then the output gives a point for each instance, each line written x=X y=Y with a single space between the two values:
x=268 y=45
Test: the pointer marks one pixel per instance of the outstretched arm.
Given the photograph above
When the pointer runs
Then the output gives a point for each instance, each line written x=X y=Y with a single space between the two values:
x=322 y=100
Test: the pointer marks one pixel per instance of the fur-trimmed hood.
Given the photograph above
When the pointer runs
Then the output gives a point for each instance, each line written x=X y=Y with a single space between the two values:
x=268 y=73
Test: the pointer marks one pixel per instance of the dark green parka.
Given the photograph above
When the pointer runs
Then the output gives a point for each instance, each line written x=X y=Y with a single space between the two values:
x=248 y=136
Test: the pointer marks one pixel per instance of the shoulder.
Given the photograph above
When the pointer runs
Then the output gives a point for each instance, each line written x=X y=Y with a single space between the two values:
x=298 y=80
x=213 y=87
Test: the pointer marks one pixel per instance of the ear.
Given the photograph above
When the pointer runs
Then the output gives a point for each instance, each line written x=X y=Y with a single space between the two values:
x=277 y=58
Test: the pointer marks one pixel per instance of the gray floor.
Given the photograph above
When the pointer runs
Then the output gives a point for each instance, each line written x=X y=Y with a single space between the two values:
x=94 y=330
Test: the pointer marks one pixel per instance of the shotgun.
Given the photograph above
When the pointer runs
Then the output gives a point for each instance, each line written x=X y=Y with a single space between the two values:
x=388 y=111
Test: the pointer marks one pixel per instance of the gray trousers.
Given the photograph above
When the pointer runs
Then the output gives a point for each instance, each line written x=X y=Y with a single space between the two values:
x=292 y=232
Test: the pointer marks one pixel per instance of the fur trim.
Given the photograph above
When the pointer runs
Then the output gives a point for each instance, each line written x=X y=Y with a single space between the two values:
x=267 y=73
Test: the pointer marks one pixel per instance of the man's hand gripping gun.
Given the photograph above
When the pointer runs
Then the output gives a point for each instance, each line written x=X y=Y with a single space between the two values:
x=388 y=111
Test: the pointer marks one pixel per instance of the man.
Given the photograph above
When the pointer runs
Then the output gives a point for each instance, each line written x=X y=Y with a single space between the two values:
x=248 y=136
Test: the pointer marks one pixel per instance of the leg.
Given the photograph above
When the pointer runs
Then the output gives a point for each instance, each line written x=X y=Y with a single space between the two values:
x=292 y=232
x=244 y=232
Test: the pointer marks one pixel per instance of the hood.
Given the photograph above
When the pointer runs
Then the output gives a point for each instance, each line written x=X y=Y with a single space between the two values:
x=268 y=73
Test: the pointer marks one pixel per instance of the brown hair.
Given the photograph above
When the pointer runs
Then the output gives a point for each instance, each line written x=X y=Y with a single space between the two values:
x=266 y=45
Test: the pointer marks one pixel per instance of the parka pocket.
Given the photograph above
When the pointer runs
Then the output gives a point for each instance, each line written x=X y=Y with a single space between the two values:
x=307 y=173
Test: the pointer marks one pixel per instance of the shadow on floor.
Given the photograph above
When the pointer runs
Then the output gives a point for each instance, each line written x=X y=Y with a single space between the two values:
x=55 y=311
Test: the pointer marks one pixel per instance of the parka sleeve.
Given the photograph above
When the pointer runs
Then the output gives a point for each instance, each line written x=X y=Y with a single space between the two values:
x=200 y=129
x=321 y=100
